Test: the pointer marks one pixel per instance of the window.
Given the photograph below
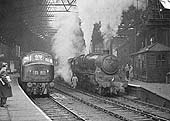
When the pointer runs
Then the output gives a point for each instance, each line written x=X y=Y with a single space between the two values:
x=161 y=60
x=98 y=50
x=169 y=58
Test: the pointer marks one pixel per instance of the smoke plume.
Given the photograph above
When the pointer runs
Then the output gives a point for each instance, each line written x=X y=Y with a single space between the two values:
x=67 y=43
x=109 y=12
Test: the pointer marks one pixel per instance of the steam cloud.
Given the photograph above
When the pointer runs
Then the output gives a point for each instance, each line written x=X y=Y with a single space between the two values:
x=67 y=42
x=109 y=12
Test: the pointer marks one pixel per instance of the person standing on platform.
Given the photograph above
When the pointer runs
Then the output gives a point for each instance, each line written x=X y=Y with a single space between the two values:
x=74 y=81
x=127 y=72
x=5 y=88
x=130 y=72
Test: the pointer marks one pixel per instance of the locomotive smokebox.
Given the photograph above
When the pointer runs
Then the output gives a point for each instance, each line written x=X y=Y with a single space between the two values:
x=108 y=64
x=106 y=51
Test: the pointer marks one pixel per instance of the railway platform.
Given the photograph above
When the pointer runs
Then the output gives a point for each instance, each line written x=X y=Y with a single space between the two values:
x=156 y=93
x=20 y=107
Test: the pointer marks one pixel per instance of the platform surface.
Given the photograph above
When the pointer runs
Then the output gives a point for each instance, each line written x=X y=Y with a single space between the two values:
x=20 y=107
x=161 y=89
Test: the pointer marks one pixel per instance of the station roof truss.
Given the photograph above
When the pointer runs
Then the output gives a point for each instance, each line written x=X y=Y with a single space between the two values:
x=34 y=15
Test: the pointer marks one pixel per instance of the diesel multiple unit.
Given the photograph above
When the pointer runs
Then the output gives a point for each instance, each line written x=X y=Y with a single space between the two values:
x=37 y=73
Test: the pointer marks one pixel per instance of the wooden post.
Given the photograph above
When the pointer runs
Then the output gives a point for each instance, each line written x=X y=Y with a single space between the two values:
x=146 y=60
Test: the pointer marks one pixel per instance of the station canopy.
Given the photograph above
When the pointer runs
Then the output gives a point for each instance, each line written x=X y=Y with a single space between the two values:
x=34 y=15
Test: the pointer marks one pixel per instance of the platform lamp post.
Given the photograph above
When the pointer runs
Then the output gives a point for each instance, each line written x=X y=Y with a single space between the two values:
x=18 y=51
x=135 y=27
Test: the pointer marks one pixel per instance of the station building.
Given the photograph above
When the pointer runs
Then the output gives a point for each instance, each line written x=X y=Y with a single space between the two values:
x=152 y=64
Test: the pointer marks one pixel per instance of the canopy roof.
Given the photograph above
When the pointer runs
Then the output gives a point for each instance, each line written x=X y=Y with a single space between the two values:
x=155 y=47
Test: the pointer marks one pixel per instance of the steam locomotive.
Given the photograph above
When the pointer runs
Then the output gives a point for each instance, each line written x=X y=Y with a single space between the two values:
x=98 y=73
x=37 y=73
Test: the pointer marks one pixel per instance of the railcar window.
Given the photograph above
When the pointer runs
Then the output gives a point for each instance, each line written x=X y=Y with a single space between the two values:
x=48 y=60
x=37 y=57
x=26 y=59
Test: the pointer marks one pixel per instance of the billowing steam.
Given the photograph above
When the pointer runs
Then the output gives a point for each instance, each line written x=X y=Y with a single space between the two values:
x=108 y=12
x=67 y=42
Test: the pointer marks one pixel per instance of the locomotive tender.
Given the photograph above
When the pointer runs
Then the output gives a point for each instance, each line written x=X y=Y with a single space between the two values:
x=37 y=73
x=98 y=73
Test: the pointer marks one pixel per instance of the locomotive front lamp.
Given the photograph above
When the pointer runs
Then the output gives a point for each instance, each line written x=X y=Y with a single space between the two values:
x=51 y=84
x=29 y=84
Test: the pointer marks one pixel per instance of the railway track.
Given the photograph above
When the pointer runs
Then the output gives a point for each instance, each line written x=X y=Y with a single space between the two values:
x=146 y=107
x=117 y=108
x=55 y=110
x=85 y=111
x=163 y=109
x=60 y=107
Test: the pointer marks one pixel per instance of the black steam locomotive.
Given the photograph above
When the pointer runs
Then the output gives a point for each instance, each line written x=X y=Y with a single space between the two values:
x=37 y=73
x=98 y=73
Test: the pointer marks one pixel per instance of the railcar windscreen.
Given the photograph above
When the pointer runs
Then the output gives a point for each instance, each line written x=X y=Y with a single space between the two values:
x=25 y=60
x=37 y=57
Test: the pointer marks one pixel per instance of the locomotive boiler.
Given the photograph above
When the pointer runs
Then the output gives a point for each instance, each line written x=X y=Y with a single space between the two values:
x=98 y=73
x=37 y=73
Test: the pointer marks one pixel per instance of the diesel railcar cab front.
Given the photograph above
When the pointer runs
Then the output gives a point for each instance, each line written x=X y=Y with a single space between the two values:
x=37 y=73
